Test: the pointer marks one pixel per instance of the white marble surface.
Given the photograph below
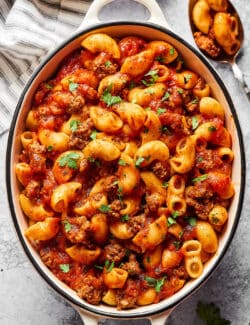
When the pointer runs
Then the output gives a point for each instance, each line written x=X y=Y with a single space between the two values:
x=25 y=299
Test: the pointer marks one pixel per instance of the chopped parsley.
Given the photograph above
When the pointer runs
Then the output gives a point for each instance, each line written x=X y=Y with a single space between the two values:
x=156 y=283
x=74 y=124
x=153 y=74
x=187 y=77
x=69 y=160
x=139 y=161
x=171 y=51
x=67 y=225
x=195 y=122
x=191 y=221
x=195 y=100
x=165 y=184
x=72 y=85
x=94 y=161
x=200 y=159
x=108 y=98
x=64 y=268
x=107 y=64
x=149 y=91
x=212 y=128
x=175 y=214
x=165 y=129
x=122 y=162
x=109 y=265
x=99 y=267
x=166 y=96
x=50 y=148
x=161 y=110
x=200 y=178
x=125 y=218
x=210 y=313
x=131 y=85
x=177 y=244
x=105 y=208
x=171 y=221
x=160 y=58
x=48 y=86
x=180 y=90
x=93 y=135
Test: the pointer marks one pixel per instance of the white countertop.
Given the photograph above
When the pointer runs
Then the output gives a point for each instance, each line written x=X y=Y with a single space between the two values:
x=26 y=299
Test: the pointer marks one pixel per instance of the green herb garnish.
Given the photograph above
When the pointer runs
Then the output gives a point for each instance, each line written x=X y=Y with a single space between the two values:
x=72 y=85
x=160 y=58
x=212 y=128
x=48 y=86
x=93 y=135
x=108 y=98
x=94 y=161
x=139 y=161
x=161 y=110
x=109 y=265
x=200 y=178
x=122 y=162
x=171 y=51
x=153 y=74
x=187 y=77
x=195 y=122
x=67 y=225
x=125 y=218
x=107 y=64
x=105 y=208
x=165 y=184
x=171 y=221
x=64 y=268
x=50 y=148
x=156 y=283
x=210 y=313
x=69 y=160
x=166 y=96
x=74 y=124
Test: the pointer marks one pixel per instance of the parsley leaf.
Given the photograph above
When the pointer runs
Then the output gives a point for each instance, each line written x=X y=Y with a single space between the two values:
x=165 y=184
x=156 y=283
x=160 y=58
x=165 y=129
x=109 y=265
x=93 y=135
x=72 y=85
x=187 y=77
x=108 y=98
x=67 y=225
x=200 y=178
x=69 y=160
x=212 y=128
x=50 y=148
x=64 y=268
x=180 y=90
x=210 y=313
x=48 y=86
x=195 y=100
x=171 y=221
x=195 y=122
x=122 y=162
x=160 y=110
x=125 y=218
x=107 y=64
x=94 y=161
x=99 y=267
x=191 y=220
x=166 y=96
x=139 y=161
x=153 y=74
x=74 y=125
x=177 y=244
x=105 y=208
x=171 y=51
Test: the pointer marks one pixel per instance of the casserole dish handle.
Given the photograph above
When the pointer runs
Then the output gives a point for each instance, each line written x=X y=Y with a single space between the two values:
x=93 y=319
x=156 y=14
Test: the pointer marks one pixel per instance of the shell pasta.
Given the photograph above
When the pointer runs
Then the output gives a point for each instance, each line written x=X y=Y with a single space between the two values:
x=125 y=171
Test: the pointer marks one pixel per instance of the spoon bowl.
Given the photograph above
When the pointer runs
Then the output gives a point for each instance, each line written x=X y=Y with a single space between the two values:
x=224 y=56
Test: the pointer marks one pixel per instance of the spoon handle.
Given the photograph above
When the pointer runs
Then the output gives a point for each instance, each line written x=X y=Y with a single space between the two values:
x=240 y=77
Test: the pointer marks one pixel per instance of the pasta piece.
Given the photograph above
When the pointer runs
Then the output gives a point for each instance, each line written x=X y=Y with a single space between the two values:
x=92 y=205
x=201 y=16
x=115 y=83
x=101 y=42
x=43 y=230
x=32 y=121
x=81 y=254
x=57 y=140
x=99 y=228
x=23 y=173
x=152 y=258
x=152 y=128
x=63 y=194
x=105 y=120
x=183 y=162
x=101 y=149
x=210 y=107
x=206 y=236
x=131 y=113
x=138 y=64
x=121 y=230
x=218 y=216
x=163 y=50
x=170 y=259
x=143 y=96
x=152 y=235
x=116 y=278
x=110 y=297
x=194 y=266
x=150 y=151
x=191 y=248
x=128 y=174
x=35 y=212
x=27 y=138
x=147 y=297
x=218 y=5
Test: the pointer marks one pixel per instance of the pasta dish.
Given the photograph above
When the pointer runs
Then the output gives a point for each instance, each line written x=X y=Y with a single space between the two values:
x=125 y=171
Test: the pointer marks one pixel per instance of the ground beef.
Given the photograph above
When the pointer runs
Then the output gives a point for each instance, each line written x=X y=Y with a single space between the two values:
x=87 y=92
x=111 y=187
x=75 y=105
x=53 y=258
x=161 y=169
x=90 y=288
x=126 y=297
x=175 y=122
x=37 y=157
x=132 y=266
x=80 y=138
x=116 y=206
x=200 y=197
x=207 y=44
x=78 y=229
x=32 y=190
x=103 y=66
x=153 y=201
x=207 y=160
x=113 y=252
x=136 y=223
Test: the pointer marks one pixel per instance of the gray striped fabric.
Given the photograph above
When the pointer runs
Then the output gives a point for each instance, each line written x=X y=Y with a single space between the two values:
x=29 y=29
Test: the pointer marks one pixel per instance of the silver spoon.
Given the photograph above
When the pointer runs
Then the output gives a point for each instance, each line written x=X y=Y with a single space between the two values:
x=224 y=57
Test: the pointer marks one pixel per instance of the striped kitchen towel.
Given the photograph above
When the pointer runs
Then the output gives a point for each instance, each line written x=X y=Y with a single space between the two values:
x=29 y=29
